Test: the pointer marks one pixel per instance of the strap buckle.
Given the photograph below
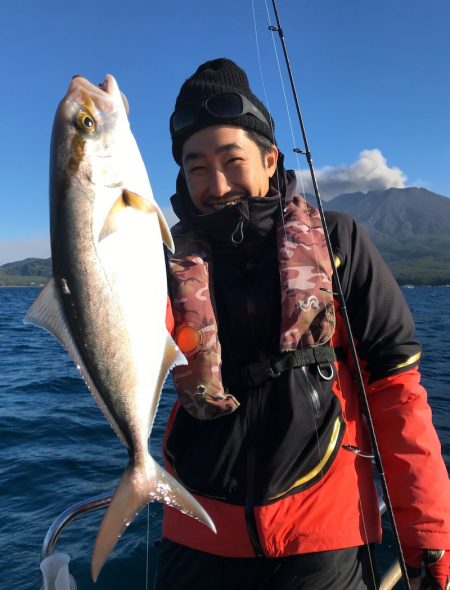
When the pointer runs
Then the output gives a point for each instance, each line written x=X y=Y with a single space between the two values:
x=257 y=373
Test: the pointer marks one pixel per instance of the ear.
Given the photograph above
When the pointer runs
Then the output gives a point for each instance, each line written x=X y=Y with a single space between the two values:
x=271 y=160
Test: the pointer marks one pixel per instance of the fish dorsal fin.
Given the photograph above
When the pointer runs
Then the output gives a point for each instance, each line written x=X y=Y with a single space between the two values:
x=131 y=199
x=172 y=358
x=48 y=312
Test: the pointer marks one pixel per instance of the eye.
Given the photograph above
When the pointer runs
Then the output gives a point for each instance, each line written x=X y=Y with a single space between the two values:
x=236 y=160
x=196 y=169
x=85 y=122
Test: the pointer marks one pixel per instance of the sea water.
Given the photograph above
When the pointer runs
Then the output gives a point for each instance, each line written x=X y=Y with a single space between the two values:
x=57 y=448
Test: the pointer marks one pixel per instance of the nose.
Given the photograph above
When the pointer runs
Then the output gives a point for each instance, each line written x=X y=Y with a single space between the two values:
x=218 y=183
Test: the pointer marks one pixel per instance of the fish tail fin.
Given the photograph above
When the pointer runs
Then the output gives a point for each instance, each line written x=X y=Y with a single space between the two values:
x=140 y=485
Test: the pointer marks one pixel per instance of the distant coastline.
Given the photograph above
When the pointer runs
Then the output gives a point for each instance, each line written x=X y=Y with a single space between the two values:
x=445 y=282
x=23 y=286
x=424 y=273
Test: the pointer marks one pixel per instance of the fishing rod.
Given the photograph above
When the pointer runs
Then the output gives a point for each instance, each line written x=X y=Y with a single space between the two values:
x=343 y=308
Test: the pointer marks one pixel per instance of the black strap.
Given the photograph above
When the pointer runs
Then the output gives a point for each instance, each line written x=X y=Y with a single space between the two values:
x=256 y=373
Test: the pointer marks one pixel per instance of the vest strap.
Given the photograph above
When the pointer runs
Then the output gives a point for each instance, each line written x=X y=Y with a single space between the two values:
x=257 y=373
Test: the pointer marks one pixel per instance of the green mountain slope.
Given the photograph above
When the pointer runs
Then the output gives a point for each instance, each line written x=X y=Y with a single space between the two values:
x=26 y=272
x=410 y=227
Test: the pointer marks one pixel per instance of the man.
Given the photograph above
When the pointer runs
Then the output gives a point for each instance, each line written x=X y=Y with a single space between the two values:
x=268 y=432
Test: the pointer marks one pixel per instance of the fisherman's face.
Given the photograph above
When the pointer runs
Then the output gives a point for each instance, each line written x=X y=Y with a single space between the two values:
x=222 y=165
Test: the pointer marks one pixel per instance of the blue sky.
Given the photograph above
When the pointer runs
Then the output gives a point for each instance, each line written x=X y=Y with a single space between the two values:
x=373 y=79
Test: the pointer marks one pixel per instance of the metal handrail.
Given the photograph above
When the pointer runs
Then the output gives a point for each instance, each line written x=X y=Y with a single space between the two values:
x=66 y=517
x=72 y=512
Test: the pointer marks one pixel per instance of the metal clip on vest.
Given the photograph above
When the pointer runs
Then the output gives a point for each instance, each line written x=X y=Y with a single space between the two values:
x=326 y=376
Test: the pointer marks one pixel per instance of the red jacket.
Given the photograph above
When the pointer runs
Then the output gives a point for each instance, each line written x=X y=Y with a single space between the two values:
x=341 y=510
x=338 y=508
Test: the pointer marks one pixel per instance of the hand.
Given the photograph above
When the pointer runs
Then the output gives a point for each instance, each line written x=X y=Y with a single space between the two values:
x=433 y=563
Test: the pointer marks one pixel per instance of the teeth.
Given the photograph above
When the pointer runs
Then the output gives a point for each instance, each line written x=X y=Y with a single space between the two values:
x=227 y=204
x=217 y=206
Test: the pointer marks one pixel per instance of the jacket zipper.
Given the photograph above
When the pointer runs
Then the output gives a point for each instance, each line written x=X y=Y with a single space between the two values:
x=252 y=424
x=252 y=421
x=313 y=393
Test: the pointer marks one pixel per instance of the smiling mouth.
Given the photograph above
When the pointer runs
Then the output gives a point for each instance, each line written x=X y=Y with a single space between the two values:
x=218 y=204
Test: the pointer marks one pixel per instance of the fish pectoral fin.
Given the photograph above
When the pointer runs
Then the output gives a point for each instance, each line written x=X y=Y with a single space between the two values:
x=48 y=312
x=138 y=487
x=134 y=200
x=126 y=199
x=111 y=223
x=165 y=231
x=131 y=199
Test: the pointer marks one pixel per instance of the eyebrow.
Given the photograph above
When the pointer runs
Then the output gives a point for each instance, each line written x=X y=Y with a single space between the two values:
x=221 y=149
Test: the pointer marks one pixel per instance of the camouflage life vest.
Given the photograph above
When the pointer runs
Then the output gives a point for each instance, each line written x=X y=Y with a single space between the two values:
x=307 y=312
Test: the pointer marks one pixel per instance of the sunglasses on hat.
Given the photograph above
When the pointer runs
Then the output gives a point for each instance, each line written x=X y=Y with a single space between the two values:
x=225 y=105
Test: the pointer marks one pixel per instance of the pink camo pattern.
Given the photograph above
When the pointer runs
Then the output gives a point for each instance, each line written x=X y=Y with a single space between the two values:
x=307 y=311
x=305 y=272
x=199 y=384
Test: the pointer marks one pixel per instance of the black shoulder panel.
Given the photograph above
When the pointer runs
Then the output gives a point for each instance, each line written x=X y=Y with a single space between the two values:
x=380 y=318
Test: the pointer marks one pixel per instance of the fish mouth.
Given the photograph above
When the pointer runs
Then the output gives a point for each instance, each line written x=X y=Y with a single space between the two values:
x=102 y=93
x=109 y=86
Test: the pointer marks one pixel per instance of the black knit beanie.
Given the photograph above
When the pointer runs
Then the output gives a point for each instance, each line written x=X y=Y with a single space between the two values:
x=214 y=77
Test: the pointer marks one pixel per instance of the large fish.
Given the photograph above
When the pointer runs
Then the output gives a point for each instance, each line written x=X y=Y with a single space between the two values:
x=107 y=299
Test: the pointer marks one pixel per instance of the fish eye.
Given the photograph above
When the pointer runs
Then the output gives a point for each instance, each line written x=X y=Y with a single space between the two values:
x=85 y=122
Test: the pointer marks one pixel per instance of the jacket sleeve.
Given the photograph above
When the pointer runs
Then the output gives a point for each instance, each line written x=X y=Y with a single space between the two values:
x=383 y=329
x=411 y=454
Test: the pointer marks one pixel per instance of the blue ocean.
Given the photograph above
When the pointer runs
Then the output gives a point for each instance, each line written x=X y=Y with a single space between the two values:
x=58 y=449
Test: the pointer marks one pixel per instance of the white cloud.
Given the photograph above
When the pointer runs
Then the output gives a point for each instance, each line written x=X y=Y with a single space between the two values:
x=13 y=250
x=369 y=172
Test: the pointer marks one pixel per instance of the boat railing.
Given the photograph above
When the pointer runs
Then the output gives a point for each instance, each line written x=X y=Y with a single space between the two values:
x=66 y=517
